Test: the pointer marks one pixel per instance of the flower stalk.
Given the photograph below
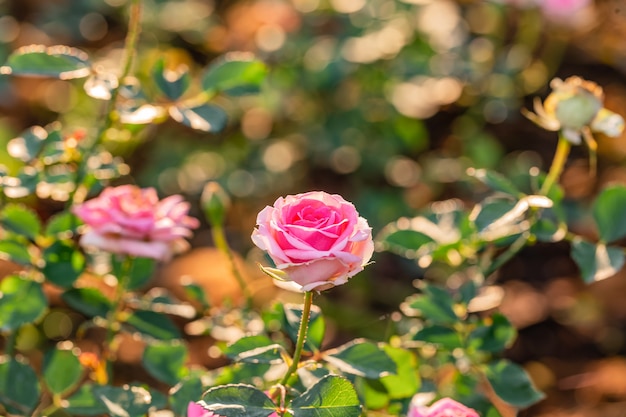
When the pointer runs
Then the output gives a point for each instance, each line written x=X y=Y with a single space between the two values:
x=302 y=331
x=558 y=163
x=219 y=239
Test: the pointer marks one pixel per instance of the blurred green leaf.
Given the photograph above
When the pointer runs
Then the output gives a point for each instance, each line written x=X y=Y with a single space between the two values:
x=20 y=220
x=234 y=74
x=291 y=316
x=27 y=146
x=372 y=393
x=361 y=358
x=153 y=324
x=19 y=387
x=331 y=396
x=125 y=401
x=512 y=384
x=188 y=389
x=88 y=301
x=238 y=400
x=406 y=382
x=494 y=209
x=434 y=304
x=495 y=181
x=15 y=251
x=439 y=335
x=61 y=224
x=62 y=370
x=205 y=117
x=84 y=402
x=172 y=83
x=495 y=335
x=64 y=263
x=21 y=302
x=196 y=293
x=142 y=269
x=166 y=361
x=609 y=212
x=255 y=349
x=57 y=61
x=596 y=262
x=403 y=241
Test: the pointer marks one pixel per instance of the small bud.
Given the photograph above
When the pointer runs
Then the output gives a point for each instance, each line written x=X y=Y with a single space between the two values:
x=215 y=203
x=574 y=102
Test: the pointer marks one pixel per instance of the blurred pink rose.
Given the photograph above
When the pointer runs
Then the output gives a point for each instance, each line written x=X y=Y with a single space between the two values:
x=132 y=221
x=446 y=407
x=316 y=239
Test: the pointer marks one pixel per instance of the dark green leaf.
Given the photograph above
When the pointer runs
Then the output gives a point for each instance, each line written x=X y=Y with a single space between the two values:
x=331 y=396
x=24 y=184
x=205 y=117
x=125 y=401
x=235 y=74
x=492 y=210
x=292 y=313
x=57 y=61
x=64 y=223
x=494 y=336
x=196 y=293
x=27 y=146
x=19 y=387
x=434 y=305
x=141 y=271
x=21 y=220
x=21 y=302
x=172 y=83
x=495 y=181
x=14 y=251
x=361 y=358
x=88 y=301
x=512 y=384
x=166 y=361
x=609 y=212
x=440 y=335
x=153 y=324
x=468 y=291
x=188 y=389
x=238 y=400
x=84 y=402
x=64 y=263
x=62 y=370
x=255 y=349
x=596 y=262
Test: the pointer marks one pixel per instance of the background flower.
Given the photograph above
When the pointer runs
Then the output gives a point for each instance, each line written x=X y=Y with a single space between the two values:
x=445 y=407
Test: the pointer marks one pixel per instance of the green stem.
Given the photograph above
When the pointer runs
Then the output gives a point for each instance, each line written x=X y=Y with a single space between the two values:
x=219 y=239
x=110 y=115
x=558 y=163
x=9 y=344
x=113 y=324
x=304 y=324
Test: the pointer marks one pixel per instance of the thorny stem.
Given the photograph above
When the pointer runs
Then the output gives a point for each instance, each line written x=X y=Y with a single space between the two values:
x=558 y=163
x=219 y=239
x=110 y=115
x=304 y=324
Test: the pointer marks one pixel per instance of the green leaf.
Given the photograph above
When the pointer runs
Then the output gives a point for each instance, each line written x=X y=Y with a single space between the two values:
x=402 y=241
x=235 y=73
x=255 y=349
x=84 y=402
x=331 y=396
x=188 y=389
x=64 y=263
x=609 y=212
x=14 y=251
x=406 y=382
x=238 y=400
x=292 y=313
x=512 y=384
x=496 y=336
x=88 y=301
x=153 y=324
x=495 y=181
x=596 y=262
x=205 y=117
x=372 y=392
x=439 y=335
x=21 y=302
x=57 y=61
x=62 y=370
x=64 y=223
x=19 y=387
x=361 y=358
x=125 y=401
x=492 y=210
x=20 y=220
x=141 y=271
x=434 y=305
x=27 y=146
x=172 y=83
x=196 y=293
x=166 y=361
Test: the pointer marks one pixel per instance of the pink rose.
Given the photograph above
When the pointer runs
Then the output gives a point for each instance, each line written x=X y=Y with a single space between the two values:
x=446 y=407
x=316 y=240
x=132 y=221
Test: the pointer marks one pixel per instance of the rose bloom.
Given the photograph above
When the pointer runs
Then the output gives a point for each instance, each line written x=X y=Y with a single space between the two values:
x=317 y=240
x=132 y=221
x=446 y=407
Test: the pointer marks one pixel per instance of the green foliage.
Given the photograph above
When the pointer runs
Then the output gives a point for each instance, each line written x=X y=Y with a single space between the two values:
x=54 y=61
x=361 y=358
x=596 y=262
x=154 y=325
x=20 y=220
x=19 y=387
x=238 y=400
x=166 y=361
x=608 y=212
x=64 y=263
x=255 y=349
x=331 y=396
x=22 y=302
x=234 y=74
x=88 y=301
x=512 y=383
x=62 y=370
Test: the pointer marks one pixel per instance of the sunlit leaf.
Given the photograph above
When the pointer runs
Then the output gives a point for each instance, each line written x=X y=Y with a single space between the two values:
x=495 y=181
x=361 y=358
x=205 y=117
x=15 y=251
x=19 y=387
x=255 y=349
x=27 y=146
x=187 y=389
x=153 y=324
x=238 y=400
x=172 y=83
x=596 y=262
x=406 y=382
x=88 y=301
x=21 y=302
x=62 y=370
x=64 y=263
x=494 y=335
x=512 y=384
x=57 y=61
x=166 y=361
x=291 y=316
x=609 y=212
x=332 y=396
x=21 y=220
x=440 y=335
x=100 y=85
x=235 y=73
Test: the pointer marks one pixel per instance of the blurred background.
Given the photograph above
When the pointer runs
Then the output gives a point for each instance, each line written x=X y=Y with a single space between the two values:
x=386 y=102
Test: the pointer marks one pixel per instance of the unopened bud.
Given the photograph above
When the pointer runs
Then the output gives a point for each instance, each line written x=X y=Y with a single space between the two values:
x=215 y=203
x=574 y=102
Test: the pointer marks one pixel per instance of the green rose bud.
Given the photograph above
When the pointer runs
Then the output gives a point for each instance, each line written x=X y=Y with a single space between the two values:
x=215 y=203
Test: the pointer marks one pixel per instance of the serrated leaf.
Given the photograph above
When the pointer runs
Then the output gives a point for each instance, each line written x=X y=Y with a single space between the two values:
x=238 y=400
x=205 y=117
x=172 y=83
x=166 y=361
x=596 y=262
x=291 y=316
x=21 y=302
x=19 y=387
x=609 y=212
x=331 y=396
x=495 y=335
x=88 y=301
x=14 y=251
x=255 y=349
x=153 y=324
x=439 y=335
x=512 y=384
x=20 y=220
x=64 y=263
x=62 y=370
x=234 y=74
x=64 y=223
x=361 y=358
x=57 y=61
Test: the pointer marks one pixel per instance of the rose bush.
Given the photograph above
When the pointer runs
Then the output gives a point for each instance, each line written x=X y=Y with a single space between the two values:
x=317 y=240
x=446 y=407
x=132 y=221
